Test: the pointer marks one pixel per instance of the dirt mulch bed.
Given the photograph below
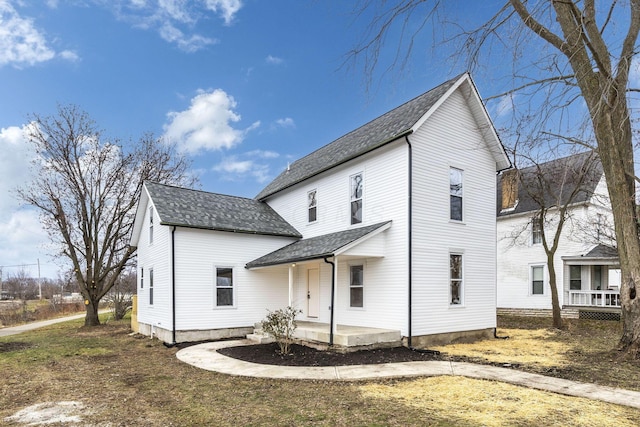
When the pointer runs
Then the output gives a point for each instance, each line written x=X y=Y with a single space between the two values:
x=269 y=354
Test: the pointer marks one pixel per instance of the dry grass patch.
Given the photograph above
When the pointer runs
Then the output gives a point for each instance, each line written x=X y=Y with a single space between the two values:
x=487 y=403
x=522 y=348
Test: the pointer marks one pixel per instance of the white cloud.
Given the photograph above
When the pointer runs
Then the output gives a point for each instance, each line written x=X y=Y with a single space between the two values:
x=263 y=154
x=274 y=60
x=21 y=43
x=22 y=238
x=287 y=122
x=226 y=8
x=206 y=124
x=505 y=106
x=175 y=20
x=14 y=166
x=234 y=169
x=189 y=44
x=69 y=55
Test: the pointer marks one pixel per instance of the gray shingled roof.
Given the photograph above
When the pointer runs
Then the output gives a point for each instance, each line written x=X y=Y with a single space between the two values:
x=560 y=178
x=376 y=133
x=199 y=209
x=314 y=247
x=602 y=251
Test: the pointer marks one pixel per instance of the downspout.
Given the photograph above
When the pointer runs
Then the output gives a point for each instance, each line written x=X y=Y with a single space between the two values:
x=410 y=238
x=173 y=288
x=333 y=286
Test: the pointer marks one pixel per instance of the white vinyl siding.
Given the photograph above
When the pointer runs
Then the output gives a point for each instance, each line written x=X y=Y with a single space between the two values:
x=436 y=236
x=385 y=198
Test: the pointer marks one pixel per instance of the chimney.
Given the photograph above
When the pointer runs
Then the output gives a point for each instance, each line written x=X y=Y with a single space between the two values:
x=509 y=189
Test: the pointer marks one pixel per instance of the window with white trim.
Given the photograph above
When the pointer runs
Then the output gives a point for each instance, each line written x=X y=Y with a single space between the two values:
x=356 y=286
x=356 y=189
x=141 y=278
x=536 y=230
x=575 y=277
x=312 y=205
x=455 y=194
x=537 y=280
x=224 y=287
x=151 y=225
x=151 y=286
x=455 y=278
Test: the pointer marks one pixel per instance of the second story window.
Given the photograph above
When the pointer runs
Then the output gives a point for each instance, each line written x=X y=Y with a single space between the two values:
x=536 y=231
x=151 y=225
x=455 y=194
x=356 y=198
x=312 y=204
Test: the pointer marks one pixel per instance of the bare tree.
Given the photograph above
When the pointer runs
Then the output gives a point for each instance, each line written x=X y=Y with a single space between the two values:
x=550 y=190
x=564 y=53
x=86 y=188
x=120 y=297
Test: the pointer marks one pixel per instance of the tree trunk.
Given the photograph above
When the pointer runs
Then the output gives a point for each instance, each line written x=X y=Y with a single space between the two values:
x=615 y=149
x=553 y=284
x=91 y=318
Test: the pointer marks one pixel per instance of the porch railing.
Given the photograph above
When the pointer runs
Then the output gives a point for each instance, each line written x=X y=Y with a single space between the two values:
x=595 y=298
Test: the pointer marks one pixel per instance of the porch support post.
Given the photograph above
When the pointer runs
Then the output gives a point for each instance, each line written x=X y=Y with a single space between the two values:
x=291 y=267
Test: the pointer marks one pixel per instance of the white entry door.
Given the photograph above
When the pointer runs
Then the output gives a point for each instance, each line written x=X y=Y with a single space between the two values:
x=313 y=292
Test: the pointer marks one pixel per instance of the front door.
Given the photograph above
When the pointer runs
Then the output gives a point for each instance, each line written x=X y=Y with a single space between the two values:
x=313 y=292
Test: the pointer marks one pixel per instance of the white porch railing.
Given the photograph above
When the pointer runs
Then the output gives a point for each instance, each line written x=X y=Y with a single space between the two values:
x=595 y=298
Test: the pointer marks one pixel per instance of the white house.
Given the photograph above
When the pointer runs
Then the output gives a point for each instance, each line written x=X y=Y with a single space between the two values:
x=386 y=233
x=586 y=262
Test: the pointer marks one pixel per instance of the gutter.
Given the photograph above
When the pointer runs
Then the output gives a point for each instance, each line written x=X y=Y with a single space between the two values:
x=333 y=287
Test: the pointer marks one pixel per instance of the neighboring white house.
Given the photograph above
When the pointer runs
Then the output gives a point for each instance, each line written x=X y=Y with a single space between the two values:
x=388 y=231
x=586 y=262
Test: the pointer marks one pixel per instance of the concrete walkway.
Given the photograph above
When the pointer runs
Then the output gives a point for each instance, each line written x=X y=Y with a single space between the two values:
x=14 y=330
x=206 y=357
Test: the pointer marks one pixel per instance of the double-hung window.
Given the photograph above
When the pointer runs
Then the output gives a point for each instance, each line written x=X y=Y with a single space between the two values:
x=141 y=278
x=356 y=286
x=455 y=278
x=151 y=286
x=224 y=287
x=356 y=184
x=312 y=205
x=537 y=280
x=455 y=194
x=536 y=230
x=575 y=277
x=151 y=225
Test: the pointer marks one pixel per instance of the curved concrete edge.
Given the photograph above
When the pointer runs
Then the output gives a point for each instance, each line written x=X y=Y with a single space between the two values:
x=205 y=356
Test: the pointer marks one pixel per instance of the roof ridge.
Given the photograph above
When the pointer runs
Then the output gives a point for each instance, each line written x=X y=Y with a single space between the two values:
x=177 y=187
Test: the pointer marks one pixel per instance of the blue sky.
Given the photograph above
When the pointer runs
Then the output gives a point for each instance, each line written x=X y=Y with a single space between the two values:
x=242 y=86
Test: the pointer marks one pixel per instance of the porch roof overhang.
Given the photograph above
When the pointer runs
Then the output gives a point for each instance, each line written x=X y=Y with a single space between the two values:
x=319 y=247
x=599 y=255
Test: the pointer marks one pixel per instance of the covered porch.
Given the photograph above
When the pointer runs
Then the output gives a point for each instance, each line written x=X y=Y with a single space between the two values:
x=593 y=279
x=316 y=272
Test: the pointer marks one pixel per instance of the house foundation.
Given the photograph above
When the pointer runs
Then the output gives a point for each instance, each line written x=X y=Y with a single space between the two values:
x=425 y=341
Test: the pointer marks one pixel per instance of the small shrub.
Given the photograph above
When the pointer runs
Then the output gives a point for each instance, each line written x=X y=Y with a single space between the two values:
x=281 y=324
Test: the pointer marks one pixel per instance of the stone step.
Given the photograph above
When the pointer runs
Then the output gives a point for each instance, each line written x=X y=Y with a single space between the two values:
x=260 y=338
